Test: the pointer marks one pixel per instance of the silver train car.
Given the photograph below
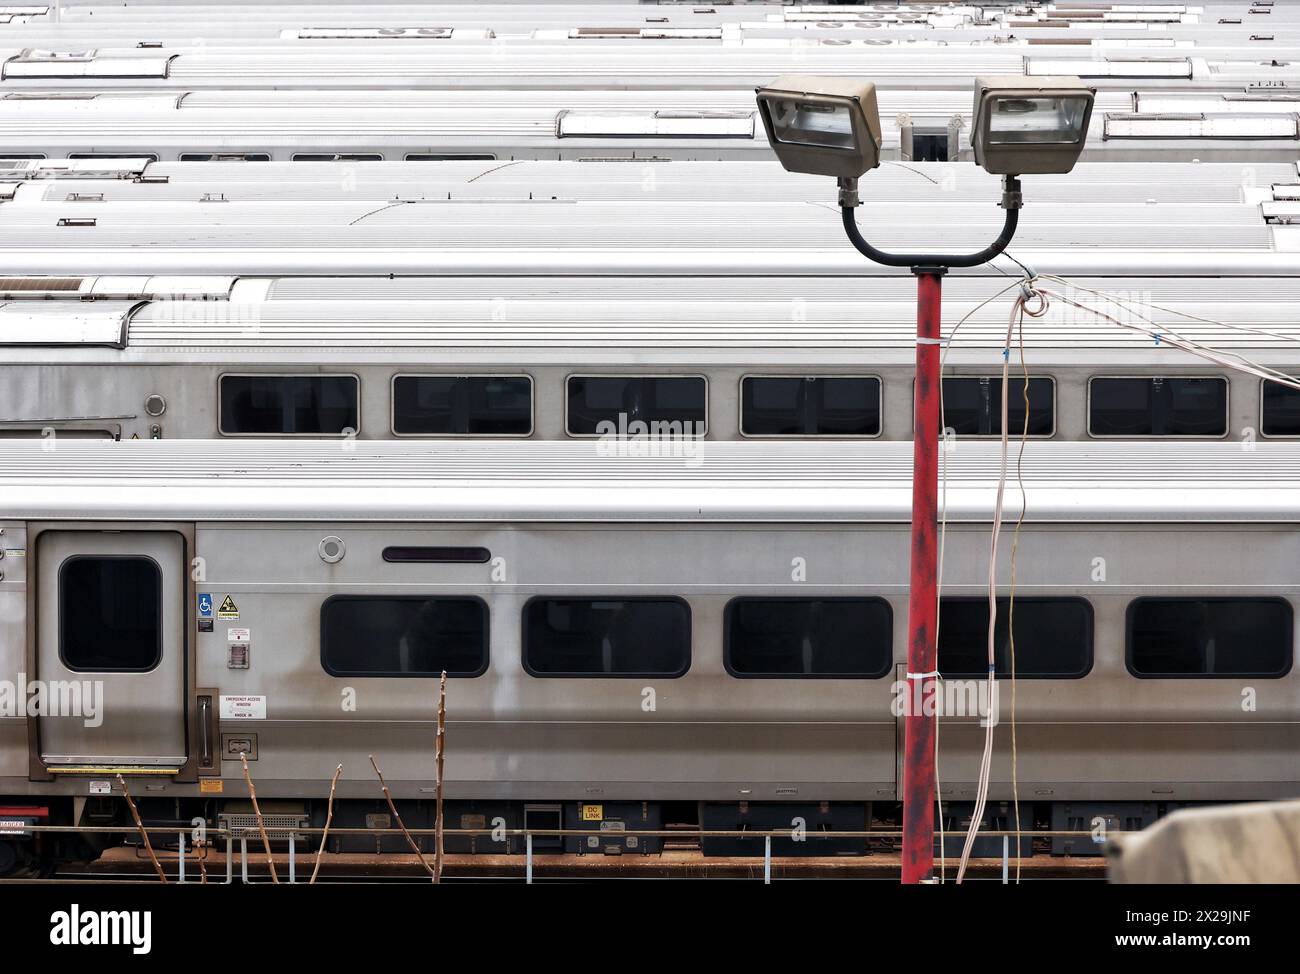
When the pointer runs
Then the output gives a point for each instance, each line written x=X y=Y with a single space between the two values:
x=1161 y=24
x=704 y=357
x=712 y=640
x=360 y=124
x=650 y=219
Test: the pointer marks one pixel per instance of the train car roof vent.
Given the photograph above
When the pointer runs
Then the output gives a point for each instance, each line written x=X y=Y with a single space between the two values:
x=85 y=64
x=55 y=323
x=367 y=33
x=660 y=125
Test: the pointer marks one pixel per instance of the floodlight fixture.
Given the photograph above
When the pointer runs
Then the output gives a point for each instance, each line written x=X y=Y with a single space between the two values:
x=1023 y=125
x=822 y=126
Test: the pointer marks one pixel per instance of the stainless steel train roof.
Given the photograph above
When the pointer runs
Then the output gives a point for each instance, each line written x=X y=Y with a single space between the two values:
x=440 y=44
x=521 y=324
x=609 y=121
x=40 y=181
x=215 y=480
x=1186 y=223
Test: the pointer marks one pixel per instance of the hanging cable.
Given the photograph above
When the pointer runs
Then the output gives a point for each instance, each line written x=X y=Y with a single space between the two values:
x=943 y=531
x=986 y=761
x=1037 y=312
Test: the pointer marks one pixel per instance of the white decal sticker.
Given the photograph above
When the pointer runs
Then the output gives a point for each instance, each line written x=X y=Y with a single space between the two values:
x=243 y=707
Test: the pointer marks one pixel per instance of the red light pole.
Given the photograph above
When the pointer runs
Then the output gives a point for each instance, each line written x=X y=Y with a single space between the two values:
x=922 y=603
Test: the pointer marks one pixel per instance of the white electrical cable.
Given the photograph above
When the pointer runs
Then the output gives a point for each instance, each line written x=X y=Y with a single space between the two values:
x=943 y=532
x=986 y=760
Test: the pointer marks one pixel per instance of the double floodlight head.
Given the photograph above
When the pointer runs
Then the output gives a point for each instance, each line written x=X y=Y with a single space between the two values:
x=831 y=127
x=822 y=126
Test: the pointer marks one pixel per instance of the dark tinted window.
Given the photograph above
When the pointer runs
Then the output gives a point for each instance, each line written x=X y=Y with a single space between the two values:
x=110 y=613
x=302 y=404
x=1280 y=415
x=403 y=635
x=1053 y=637
x=1173 y=406
x=225 y=157
x=607 y=637
x=831 y=637
x=448 y=156
x=972 y=406
x=337 y=157
x=151 y=156
x=809 y=406
x=594 y=399
x=1209 y=637
x=483 y=405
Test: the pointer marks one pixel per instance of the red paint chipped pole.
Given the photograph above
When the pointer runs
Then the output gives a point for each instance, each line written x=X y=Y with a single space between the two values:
x=922 y=605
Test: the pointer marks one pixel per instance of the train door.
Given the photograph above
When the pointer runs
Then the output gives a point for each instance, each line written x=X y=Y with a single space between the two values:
x=110 y=653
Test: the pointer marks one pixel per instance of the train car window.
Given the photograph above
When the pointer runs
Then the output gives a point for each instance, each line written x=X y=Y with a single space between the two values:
x=225 y=157
x=972 y=405
x=110 y=613
x=1279 y=409
x=436 y=555
x=815 y=637
x=1053 y=637
x=615 y=637
x=793 y=405
x=403 y=635
x=449 y=157
x=288 y=405
x=151 y=156
x=667 y=405
x=1177 y=638
x=1158 y=406
x=337 y=157
x=462 y=405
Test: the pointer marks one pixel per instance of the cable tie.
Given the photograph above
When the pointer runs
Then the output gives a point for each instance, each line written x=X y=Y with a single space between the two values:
x=1157 y=338
x=1006 y=354
x=922 y=676
x=920 y=340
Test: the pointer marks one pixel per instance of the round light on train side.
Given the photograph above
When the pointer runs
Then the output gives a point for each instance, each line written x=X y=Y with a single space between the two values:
x=1025 y=125
x=822 y=126
x=331 y=549
x=155 y=405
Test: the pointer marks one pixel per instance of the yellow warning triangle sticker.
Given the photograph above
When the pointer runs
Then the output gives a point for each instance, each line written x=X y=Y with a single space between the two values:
x=228 y=606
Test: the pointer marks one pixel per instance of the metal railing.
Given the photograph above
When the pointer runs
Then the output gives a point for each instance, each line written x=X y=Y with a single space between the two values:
x=242 y=835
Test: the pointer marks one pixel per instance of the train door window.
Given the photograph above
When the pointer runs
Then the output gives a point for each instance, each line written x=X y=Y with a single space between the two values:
x=1053 y=637
x=110 y=613
x=816 y=637
x=1158 y=406
x=403 y=635
x=1212 y=637
x=1279 y=409
x=796 y=405
x=462 y=405
x=449 y=157
x=288 y=405
x=613 y=637
x=657 y=404
x=225 y=157
x=972 y=405
x=337 y=157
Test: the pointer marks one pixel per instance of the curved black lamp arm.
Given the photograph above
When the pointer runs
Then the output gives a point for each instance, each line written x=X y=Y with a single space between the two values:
x=940 y=262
